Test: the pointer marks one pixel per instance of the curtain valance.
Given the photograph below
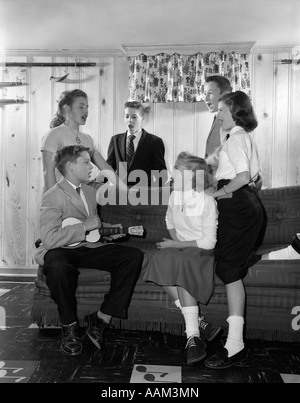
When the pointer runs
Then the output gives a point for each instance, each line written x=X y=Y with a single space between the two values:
x=181 y=78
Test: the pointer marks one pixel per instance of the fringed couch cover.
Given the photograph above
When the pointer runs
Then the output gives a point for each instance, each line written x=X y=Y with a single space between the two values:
x=272 y=287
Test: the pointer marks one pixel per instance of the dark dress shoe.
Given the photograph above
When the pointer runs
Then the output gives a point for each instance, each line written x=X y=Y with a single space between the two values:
x=208 y=331
x=195 y=350
x=95 y=329
x=222 y=361
x=70 y=342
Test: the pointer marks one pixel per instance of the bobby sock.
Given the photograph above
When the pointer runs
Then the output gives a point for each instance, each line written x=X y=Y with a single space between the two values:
x=288 y=253
x=178 y=304
x=191 y=314
x=235 y=343
x=104 y=317
x=292 y=252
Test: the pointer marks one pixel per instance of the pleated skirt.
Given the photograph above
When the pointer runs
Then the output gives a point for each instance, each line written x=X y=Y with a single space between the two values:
x=189 y=268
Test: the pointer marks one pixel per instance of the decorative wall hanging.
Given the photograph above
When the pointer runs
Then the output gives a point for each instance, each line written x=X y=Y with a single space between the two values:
x=59 y=79
x=181 y=78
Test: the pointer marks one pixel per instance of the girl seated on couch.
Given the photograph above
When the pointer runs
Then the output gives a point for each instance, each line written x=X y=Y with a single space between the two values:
x=184 y=264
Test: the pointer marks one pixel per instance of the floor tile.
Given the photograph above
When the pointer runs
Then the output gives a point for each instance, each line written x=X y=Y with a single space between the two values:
x=16 y=371
x=3 y=291
x=290 y=378
x=155 y=374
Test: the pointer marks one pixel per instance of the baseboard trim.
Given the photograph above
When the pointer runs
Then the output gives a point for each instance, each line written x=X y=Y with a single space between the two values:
x=18 y=274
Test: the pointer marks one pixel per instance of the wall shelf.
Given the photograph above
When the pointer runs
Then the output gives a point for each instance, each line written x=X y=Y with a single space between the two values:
x=4 y=102
x=20 y=64
x=11 y=83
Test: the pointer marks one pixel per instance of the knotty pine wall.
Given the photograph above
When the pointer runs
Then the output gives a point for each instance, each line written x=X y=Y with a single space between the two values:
x=276 y=99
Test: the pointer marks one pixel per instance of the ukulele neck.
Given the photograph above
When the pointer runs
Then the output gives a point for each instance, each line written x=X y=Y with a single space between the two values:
x=112 y=230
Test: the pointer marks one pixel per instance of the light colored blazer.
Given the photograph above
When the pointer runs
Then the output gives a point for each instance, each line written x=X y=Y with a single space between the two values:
x=58 y=203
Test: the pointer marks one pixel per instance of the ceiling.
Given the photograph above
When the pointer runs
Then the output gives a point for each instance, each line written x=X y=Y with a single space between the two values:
x=107 y=24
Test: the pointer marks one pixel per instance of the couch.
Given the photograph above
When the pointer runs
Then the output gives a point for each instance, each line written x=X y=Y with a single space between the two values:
x=272 y=287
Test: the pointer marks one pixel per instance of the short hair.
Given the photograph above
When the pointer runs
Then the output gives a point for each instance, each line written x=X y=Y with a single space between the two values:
x=66 y=154
x=241 y=109
x=221 y=81
x=144 y=110
x=194 y=163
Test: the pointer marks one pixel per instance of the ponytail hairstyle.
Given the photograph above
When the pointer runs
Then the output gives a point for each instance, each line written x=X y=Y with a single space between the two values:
x=66 y=98
x=144 y=110
x=193 y=163
x=241 y=109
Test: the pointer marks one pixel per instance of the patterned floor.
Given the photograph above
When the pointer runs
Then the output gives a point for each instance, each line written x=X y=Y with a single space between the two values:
x=30 y=355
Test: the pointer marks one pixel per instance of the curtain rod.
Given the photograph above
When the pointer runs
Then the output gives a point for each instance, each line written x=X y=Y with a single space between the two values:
x=20 y=64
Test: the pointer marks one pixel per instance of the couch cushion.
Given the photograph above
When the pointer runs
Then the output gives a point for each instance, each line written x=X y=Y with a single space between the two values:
x=282 y=214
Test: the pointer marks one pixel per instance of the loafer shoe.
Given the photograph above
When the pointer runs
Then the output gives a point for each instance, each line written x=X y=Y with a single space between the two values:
x=95 y=329
x=208 y=331
x=70 y=343
x=222 y=361
x=195 y=350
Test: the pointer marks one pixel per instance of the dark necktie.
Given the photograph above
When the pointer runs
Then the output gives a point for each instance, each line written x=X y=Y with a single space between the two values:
x=78 y=190
x=130 y=149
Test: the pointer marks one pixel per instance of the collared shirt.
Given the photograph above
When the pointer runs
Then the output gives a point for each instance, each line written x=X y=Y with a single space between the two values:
x=194 y=216
x=238 y=154
x=82 y=195
x=138 y=136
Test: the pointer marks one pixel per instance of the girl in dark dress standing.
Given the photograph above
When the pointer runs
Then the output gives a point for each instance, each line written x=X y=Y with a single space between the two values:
x=240 y=218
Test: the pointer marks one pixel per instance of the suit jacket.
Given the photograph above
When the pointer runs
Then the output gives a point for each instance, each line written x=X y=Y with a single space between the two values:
x=58 y=203
x=149 y=156
x=214 y=138
x=213 y=143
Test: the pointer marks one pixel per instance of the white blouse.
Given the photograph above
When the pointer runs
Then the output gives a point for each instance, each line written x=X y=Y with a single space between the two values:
x=238 y=154
x=194 y=216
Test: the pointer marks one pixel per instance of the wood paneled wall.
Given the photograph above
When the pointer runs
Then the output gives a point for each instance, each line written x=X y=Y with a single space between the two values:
x=276 y=99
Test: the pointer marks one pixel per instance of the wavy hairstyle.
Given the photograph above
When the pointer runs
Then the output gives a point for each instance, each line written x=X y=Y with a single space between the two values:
x=66 y=98
x=241 y=109
x=144 y=110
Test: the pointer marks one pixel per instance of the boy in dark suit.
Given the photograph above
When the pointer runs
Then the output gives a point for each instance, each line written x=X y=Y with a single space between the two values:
x=214 y=87
x=140 y=150
x=64 y=249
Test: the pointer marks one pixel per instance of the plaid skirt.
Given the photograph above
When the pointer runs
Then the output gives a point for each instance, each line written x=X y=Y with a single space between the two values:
x=189 y=268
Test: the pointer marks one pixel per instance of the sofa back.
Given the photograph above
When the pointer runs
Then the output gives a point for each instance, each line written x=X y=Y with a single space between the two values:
x=282 y=214
x=150 y=213
x=281 y=210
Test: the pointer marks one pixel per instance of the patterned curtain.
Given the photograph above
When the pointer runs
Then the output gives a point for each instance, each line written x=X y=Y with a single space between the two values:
x=178 y=78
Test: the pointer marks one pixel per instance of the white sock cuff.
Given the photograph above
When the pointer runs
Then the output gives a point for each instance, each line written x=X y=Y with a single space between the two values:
x=178 y=304
x=190 y=309
x=236 y=319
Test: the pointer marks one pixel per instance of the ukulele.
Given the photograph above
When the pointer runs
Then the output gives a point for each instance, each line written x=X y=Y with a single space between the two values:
x=95 y=234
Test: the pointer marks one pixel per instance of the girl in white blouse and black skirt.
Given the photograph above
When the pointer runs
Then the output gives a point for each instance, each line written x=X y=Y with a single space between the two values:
x=184 y=264
x=240 y=218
